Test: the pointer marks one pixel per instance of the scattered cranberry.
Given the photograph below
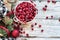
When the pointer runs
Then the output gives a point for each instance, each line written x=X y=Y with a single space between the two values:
x=52 y=17
x=35 y=23
x=32 y=25
x=32 y=29
x=54 y=2
x=27 y=35
x=20 y=32
x=46 y=6
x=25 y=12
x=47 y=17
x=39 y=26
x=44 y=9
x=42 y=30
x=21 y=29
x=23 y=32
x=48 y=1
x=19 y=23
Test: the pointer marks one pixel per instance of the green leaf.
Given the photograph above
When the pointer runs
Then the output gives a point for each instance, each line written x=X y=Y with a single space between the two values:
x=10 y=28
x=3 y=32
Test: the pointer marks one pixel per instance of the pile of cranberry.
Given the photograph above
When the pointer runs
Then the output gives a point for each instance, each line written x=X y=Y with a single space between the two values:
x=25 y=11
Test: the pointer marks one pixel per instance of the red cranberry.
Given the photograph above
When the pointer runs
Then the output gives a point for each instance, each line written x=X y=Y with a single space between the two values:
x=54 y=2
x=46 y=6
x=32 y=29
x=52 y=17
x=44 y=9
x=39 y=26
x=20 y=32
x=23 y=32
x=35 y=23
x=27 y=35
x=42 y=30
x=47 y=17
x=32 y=25
x=48 y=1
x=21 y=29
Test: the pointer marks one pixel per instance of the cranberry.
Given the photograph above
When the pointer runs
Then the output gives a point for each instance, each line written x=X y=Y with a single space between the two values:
x=32 y=25
x=23 y=32
x=44 y=9
x=27 y=35
x=39 y=26
x=47 y=17
x=25 y=11
x=54 y=2
x=32 y=29
x=52 y=17
x=35 y=23
x=42 y=30
x=20 y=32
x=21 y=29
x=46 y=6
x=48 y=1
